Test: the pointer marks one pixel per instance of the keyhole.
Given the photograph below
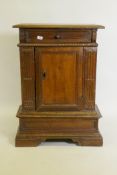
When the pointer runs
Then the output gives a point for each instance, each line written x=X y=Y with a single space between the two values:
x=44 y=75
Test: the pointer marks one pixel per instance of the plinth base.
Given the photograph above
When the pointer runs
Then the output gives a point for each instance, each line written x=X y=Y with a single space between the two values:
x=81 y=127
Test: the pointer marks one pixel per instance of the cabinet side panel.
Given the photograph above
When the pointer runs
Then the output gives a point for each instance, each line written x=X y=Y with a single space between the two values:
x=27 y=77
x=90 y=56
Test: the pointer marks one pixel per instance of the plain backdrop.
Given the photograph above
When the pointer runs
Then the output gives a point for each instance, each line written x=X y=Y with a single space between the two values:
x=58 y=158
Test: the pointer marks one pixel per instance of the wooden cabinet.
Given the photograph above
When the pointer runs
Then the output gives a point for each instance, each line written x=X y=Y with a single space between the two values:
x=58 y=75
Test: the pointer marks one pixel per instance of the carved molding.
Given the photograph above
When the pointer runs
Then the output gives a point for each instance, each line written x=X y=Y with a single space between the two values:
x=58 y=44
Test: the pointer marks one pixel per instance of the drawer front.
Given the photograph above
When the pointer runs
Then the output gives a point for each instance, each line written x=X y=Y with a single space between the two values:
x=54 y=36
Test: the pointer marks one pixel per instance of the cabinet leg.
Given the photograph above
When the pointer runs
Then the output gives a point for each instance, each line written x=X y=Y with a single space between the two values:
x=27 y=143
x=24 y=140
x=81 y=141
x=88 y=141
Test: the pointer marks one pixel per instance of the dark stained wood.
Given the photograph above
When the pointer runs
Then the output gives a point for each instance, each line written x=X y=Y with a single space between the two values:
x=58 y=44
x=55 y=36
x=30 y=140
x=27 y=77
x=58 y=79
x=54 y=89
x=90 y=55
x=56 y=126
x=90 y=114
x=94 y=35
x=82 y=128
x=61 y=87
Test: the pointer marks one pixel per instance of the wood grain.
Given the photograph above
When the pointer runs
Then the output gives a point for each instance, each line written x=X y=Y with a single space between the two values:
x=27 y=78
x=61 y=88
x=79 y=129
x=55 y=36
x=58 y=81
x=90 y=56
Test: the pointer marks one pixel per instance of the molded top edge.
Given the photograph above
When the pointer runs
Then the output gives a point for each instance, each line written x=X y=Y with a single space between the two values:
x=56 y=26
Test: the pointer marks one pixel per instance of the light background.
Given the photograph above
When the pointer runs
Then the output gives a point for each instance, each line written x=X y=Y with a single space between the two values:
x=58 y=158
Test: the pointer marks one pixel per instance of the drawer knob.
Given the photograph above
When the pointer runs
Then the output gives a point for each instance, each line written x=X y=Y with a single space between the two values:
x=39 y=37
x=57 y=37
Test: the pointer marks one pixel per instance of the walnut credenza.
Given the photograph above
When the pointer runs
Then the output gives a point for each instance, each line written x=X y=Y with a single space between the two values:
x=58 y=78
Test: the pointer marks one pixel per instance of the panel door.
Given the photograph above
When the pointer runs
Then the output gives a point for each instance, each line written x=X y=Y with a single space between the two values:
x=59 y=78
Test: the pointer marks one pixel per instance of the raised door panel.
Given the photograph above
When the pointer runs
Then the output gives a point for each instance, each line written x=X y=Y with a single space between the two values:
x=58 y=85
x=59 y=78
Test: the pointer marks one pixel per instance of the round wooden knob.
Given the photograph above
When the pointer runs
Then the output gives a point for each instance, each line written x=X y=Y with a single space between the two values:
x=57 y=37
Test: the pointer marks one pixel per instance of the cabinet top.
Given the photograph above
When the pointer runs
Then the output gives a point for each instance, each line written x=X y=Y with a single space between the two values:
x=56 y=26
